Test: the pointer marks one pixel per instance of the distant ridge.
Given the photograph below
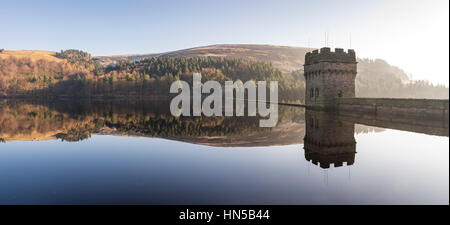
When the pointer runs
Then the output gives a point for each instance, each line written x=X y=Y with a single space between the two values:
x=286 y=58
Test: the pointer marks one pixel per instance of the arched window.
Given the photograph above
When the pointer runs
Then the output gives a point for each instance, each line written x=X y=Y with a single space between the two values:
x=311 y=93
x=317 y=92
x=340 y=94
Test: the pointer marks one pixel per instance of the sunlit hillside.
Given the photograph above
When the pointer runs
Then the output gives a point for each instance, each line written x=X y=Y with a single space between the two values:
x=75 y=73
x=32 y=54
x=285 y=58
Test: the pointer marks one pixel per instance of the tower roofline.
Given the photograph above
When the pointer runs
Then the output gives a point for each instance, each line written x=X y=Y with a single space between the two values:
x=326 y=55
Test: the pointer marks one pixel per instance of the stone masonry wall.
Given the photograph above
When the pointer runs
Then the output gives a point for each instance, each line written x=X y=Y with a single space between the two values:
x=329 y=75
x=409 y=108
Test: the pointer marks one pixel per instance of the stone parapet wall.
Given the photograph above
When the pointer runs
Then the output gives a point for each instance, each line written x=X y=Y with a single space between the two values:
x=410 y=108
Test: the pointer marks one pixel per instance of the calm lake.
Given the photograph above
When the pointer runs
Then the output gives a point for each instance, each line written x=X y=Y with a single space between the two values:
x=121 y=152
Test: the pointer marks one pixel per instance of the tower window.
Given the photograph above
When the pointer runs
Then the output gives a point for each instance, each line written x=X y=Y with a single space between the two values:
x=340 y=94
x=311 y=93
x=317 y=92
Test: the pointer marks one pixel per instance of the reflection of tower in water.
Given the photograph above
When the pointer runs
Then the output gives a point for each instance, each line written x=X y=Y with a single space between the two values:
x=328 y=140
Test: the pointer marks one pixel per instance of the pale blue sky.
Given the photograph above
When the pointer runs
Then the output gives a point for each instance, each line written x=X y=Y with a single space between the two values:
x=413 y=35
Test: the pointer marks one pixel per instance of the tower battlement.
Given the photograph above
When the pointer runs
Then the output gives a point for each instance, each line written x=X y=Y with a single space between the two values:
x=326 y=55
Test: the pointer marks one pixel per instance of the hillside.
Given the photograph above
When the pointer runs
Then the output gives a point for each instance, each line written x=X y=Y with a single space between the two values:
x=376 y=77
x=31 y=54
x=285 y=58
x=79 y=75
x=75 y=73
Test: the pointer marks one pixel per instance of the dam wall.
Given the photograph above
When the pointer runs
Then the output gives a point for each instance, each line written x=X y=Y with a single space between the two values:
x=330 y=85
x=422 y=109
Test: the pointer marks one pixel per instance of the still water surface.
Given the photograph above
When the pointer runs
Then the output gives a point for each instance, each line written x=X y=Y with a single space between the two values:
x=137 y=153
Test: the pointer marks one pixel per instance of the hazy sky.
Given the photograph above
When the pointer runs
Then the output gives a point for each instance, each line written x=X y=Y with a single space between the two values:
x=411 y=34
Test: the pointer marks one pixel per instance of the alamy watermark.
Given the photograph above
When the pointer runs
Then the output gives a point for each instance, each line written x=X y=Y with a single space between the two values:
x=265 y=108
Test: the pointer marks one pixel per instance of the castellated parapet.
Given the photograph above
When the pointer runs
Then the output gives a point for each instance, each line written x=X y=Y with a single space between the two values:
x=326 y=55
x=329 y=76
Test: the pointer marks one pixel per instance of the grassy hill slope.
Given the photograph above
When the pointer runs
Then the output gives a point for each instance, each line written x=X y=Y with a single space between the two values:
x=32 y=54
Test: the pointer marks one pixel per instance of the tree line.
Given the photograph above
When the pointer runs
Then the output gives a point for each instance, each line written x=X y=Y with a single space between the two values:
x=81 y=75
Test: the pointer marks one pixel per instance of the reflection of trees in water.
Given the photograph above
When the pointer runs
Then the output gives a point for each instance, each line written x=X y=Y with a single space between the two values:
x=21 y=119
x=75 y=121
x=80 y=132
x=188 y=126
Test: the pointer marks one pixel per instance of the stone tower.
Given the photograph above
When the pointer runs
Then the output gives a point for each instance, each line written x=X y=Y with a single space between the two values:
x=329 y=75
